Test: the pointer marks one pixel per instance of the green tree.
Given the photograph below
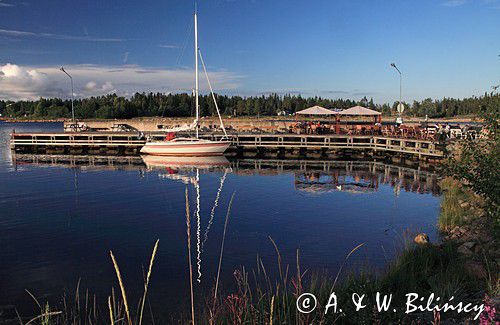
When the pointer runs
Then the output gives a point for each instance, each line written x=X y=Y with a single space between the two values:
x=476 y=164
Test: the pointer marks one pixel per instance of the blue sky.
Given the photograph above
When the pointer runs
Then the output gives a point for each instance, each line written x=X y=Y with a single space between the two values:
x=326 y=48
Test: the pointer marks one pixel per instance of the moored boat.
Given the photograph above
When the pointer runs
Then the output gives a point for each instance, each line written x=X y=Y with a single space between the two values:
x=172 y=146
x=186 y=147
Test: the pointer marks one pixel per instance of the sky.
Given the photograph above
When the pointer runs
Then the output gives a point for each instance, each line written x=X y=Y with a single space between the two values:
x=328 y=48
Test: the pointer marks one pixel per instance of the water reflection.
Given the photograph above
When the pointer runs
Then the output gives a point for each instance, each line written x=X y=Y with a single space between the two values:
x=77 y=208
x=360 y=180
x=171 y=164
x=312 y=176
x=187 y=170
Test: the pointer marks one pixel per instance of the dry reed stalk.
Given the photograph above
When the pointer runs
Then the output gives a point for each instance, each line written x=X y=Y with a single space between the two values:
x=278 y=255
x=111 y=318
x=188 y=230
x=271 y=313
x=298 y=289
x=65 y=305
x=113 y=299
x=151 y=313
x=283 y=277
x=33 y=297
x=299 y=276
x=52 y=313
x=146 y=284
x=86 y=301
x=267 y=278
x=18 y=317
x=122 y=288
x=222 y=248
x=77 y=295
x=344 y=262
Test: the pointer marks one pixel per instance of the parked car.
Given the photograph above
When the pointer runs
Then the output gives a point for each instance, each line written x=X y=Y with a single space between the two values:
x=123 y=128
x=76 y=127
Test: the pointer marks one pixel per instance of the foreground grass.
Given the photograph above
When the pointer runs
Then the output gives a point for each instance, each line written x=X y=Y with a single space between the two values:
x=260 y=299
x=456 y=204
x=422 y=270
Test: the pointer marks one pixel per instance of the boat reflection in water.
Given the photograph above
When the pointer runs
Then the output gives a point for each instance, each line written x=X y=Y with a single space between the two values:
x=187 y=170
x=184 y=163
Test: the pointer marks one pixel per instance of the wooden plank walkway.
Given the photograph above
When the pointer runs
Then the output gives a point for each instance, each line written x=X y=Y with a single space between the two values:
x=132 y=143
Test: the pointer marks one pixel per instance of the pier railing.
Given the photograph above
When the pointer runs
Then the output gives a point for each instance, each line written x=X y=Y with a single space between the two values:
x=336 y=142
x=418 y=147
x=76 y=139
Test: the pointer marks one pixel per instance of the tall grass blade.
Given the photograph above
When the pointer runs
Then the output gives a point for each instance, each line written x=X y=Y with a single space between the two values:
x=33 y=297
x=271 y=312
x=44 y=316
x=122 y=287
x=111 y=317
x=146 y=284
x=344 y=263
x=222 y=247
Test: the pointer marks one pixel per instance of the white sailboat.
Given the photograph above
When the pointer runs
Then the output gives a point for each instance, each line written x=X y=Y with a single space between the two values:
x=190 y=146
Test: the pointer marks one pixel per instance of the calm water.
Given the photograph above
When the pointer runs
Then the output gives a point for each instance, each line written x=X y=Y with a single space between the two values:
x=60 y=217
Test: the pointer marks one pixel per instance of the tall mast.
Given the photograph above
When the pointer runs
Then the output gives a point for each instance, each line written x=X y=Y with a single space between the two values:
x=196 y=69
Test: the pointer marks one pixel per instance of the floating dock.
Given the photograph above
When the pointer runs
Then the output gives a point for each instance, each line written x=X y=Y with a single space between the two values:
x=243 y=144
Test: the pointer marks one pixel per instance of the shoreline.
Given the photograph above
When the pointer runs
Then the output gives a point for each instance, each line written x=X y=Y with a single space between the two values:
x=409 y=119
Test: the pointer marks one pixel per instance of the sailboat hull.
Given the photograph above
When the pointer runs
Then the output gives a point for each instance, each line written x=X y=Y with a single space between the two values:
x=186 y=148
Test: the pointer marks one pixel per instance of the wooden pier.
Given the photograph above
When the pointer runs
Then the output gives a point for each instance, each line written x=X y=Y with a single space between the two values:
x=248 y=145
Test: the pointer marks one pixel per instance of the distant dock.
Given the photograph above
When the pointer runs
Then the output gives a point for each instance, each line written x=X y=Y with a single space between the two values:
x=243 y=144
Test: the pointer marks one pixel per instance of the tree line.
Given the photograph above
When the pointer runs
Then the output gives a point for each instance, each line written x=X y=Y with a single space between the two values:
x=179 y=105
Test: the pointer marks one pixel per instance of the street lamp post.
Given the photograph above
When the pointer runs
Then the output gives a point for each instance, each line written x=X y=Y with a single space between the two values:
x=400 y=88
x=9 y=105
x=72 y=94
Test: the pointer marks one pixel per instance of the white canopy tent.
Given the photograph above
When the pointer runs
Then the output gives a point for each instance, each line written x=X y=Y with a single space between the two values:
x=316 y=110
x=359 y=111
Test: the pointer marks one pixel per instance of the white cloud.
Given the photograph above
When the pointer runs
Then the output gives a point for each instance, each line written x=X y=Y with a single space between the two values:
x=5 y=4
x=20 y=82
x=93 y=89
x=91 y=85
x=454 y=3
x=458 y=3
x=168 y=46
x=107 y=86
x=22 y=34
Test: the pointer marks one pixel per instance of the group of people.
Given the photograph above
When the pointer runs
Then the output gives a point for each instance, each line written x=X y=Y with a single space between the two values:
x=423 y=131
x=310 y=127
